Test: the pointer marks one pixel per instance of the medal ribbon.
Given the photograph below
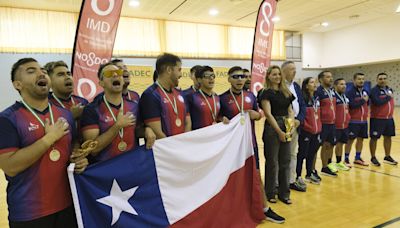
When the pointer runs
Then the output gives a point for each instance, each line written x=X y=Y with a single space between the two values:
x=213 y=113
x=120 y=132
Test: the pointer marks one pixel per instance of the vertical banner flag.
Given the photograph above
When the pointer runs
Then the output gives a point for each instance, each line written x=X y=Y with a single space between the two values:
x=94 y=43
x=203 y=178
x=262 y=45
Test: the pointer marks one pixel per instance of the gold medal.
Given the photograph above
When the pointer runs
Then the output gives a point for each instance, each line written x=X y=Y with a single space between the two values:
x=333 y=109
x=54 y=155
x=242 y=120
x=178 y=122
x=122 y=146
x=316 y=117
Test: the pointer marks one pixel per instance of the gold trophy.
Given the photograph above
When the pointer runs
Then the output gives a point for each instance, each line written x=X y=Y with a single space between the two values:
x=289 y=125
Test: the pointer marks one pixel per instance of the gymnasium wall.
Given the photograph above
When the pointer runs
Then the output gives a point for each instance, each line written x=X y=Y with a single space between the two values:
x=142 y=69
x=366 y=43
x=370 y=71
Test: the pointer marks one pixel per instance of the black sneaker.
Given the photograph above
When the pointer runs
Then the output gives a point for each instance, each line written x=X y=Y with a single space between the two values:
x=375 y=161
x=326 y=171
x=295 y=186
x=389 y=160
x=315 y=173
x=274 y=217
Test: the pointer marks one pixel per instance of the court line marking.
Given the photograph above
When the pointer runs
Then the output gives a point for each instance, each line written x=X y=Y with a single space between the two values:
x=374 y=171
x=388 y=223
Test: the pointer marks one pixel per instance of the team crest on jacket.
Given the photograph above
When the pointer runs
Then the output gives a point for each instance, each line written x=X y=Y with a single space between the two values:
x=180 y=98
x=33 y=126
x=247 y=99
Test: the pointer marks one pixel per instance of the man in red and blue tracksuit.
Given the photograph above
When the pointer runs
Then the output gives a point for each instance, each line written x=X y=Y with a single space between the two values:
x=358 y=127
x=327 y=99
x=382 y=123
x=342 y=122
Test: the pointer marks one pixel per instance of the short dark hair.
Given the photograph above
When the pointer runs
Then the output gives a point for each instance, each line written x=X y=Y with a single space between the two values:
x=200 y=73
x=284 y=64
x=382 y=73
x=155 y=76
x=245 y=70
x=50 y=66
x=166 y=60
x=115 y=61
x=102 y=66
x=233 y=69
x=16 y=65
x=356 y=75
x=322 y=74
x=336 y=82
x=194 y=69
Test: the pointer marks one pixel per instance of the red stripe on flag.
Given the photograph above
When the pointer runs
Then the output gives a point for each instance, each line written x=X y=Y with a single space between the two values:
x=238 y=204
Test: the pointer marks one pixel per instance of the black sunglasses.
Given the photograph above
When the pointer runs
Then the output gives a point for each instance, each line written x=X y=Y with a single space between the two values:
x=237 y=76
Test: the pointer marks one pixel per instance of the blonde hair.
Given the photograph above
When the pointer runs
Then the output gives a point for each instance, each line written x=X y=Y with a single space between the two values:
x=282 y=86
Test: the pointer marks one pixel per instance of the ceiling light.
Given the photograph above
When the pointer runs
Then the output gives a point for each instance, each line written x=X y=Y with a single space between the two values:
x=325 y=24
x=398 y=9
x=213 y=12
x=353 y=17
x=276 y=19
x=134 y=3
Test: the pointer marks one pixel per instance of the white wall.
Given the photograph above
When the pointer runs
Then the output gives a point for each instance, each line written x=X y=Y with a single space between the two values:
x=312 y=50
x=371 y=42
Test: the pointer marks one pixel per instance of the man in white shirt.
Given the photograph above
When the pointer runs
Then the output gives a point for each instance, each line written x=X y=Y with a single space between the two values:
x=299 y=108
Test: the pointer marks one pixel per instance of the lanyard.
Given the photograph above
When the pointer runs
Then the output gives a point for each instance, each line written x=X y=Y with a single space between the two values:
x=58 y=100
x=213 y=113
x=35 y=114
x=174 y=106
x=387 y=90
x=329 y=94
x=315 y=104
x=342 y=98
x=237 y=104
x=121 y=132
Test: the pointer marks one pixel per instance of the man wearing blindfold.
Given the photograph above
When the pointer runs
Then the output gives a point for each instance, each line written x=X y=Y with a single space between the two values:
x=112 y=120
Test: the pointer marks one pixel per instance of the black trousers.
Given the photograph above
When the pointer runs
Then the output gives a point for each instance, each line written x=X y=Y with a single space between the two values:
x=277 y=160
x=308 y=147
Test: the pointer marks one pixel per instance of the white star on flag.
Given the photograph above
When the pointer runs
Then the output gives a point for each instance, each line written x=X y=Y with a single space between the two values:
x=118 y=201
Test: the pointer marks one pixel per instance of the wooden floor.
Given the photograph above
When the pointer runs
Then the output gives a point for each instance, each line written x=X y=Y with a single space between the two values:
x=362 y=197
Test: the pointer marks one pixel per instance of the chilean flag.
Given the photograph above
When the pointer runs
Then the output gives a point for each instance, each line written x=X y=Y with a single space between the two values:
x=203 y=178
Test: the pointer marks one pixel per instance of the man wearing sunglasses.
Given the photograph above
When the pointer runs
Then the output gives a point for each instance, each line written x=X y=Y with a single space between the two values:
x=204 y=104
x=62 y=85
x=129 y=95
x=237 y=101
x=111 y=120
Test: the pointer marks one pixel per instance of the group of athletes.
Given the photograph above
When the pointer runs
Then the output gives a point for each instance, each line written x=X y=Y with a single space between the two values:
x=51 y=127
